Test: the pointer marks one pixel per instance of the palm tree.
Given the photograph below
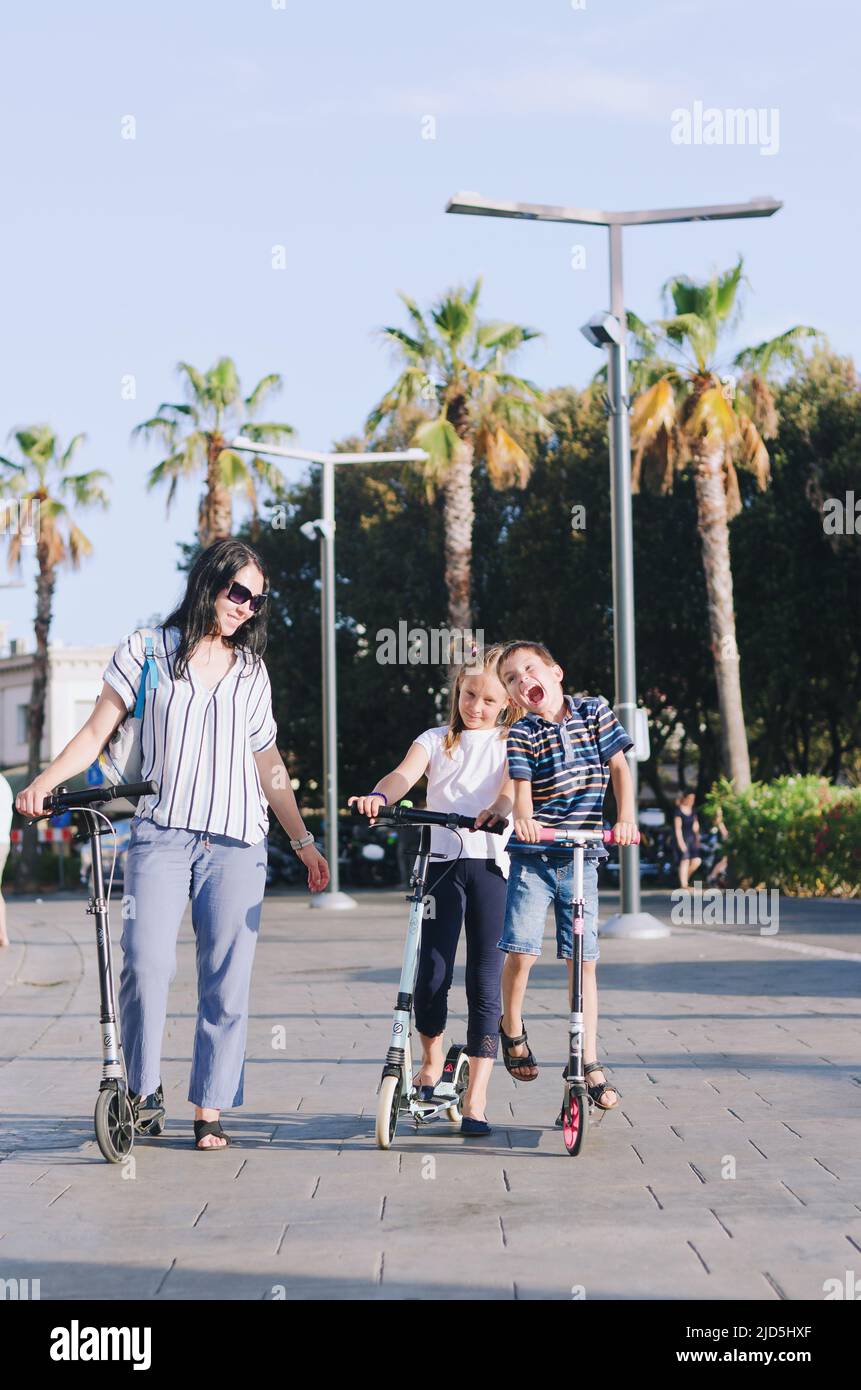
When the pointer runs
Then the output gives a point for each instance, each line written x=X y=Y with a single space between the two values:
x=454 y=368
x=195 y=436
x=689 y=413
x=37 y=512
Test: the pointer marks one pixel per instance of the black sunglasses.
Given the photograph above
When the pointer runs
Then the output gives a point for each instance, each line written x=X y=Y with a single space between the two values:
x=237 y=593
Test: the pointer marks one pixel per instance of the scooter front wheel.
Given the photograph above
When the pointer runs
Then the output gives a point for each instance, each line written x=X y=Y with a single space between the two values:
x=388 y=1108
x=115 y=1124
x=575 y=1121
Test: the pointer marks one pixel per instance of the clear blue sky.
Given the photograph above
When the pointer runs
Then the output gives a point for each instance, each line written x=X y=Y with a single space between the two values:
x=258 y=126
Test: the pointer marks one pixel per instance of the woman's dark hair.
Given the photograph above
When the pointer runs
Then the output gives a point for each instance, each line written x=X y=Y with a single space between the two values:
x=215 y=569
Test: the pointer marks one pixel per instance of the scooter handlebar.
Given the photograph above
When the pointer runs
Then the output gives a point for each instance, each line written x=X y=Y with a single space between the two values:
x=63 y=800
x=406 y=815
x=592 y=837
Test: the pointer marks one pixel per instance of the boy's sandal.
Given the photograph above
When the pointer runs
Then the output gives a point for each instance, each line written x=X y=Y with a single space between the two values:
x=597 y=1091
x=513 y=1064
x=204 y=1127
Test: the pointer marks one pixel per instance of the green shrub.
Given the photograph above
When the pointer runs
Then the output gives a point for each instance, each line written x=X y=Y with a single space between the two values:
x=799 y=834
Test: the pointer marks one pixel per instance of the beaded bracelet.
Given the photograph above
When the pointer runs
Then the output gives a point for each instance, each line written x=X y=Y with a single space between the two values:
x=382 y=794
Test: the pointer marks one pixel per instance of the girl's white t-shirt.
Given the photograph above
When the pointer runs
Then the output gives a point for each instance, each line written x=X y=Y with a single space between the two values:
x=467 y=779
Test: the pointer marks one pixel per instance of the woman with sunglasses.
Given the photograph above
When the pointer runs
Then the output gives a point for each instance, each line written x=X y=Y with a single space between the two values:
x=209 y=741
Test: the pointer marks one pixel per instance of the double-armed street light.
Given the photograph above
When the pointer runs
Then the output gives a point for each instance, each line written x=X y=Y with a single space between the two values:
x=324 y=528
x=607 y=330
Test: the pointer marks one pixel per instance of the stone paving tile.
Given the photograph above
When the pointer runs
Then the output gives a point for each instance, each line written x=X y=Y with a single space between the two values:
x=723 y=1049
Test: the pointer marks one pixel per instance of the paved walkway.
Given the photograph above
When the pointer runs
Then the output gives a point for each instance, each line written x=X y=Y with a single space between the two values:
x=732 y=1171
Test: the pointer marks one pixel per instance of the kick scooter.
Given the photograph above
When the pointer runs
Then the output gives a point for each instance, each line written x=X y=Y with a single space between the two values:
x=576 y=1101
x=118 y=1114
x=396 y=1094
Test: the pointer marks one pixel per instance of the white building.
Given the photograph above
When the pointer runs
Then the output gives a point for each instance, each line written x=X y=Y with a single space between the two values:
x=74 y=685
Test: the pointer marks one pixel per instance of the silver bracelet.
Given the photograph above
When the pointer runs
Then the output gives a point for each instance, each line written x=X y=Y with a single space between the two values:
x=307 y=839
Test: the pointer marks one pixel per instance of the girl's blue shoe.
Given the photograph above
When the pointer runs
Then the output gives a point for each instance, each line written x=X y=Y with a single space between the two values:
x=425 y=1093
x=474 y=1128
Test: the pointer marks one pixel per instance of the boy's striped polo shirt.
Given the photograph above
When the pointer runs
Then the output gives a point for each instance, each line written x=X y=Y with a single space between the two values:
x=567 y=766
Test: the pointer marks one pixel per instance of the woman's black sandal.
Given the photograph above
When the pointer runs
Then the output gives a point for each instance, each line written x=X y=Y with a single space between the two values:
x=204 y=1127
x=597 y=1091
x=513 y=1063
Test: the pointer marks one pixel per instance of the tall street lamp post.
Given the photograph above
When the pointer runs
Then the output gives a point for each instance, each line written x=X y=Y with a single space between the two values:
x=608 y=330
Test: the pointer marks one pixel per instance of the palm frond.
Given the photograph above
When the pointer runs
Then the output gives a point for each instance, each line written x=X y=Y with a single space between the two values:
x=440 y=441
x=643 y=336
x=71 y=449
x=269 y=473
x=686 y=296
x=86 y=488
x=415 y=314
x=752 y=452
x=655 y=409
x=269 y=432
x=80 y=546
x=694 y=331
x=508 y=465
x=407 y=389
x=504 y=337
x=786 y=347
x=411 y=348
x=653 y=421
x=730 y=487
x=454 y=317
x=223 y=383
x=37 y=442
x=266 y=386
x=232 y=468
x=157 y=427
x=725 y=291
x=196 y=383
x=755 y=399
x=518 y=414
x=712 y=417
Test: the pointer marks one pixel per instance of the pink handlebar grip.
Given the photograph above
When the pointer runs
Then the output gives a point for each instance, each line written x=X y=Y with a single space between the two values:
x=563 y=832
x=609 y=840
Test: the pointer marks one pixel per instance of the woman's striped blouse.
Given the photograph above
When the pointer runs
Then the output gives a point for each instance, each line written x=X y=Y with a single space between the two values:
x=198 y=743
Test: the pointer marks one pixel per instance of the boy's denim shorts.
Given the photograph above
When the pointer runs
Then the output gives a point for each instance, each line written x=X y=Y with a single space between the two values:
x=534 y=882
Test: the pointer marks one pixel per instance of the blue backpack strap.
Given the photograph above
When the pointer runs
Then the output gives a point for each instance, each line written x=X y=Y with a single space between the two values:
x=150 y=674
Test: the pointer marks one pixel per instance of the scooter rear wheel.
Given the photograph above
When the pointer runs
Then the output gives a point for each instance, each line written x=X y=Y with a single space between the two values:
x=575 y=1121
x=460 y=1081
x=115 y=1124
x=388 y=1109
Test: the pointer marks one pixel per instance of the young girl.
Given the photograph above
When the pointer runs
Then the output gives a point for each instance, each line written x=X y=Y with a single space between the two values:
x=467 y=772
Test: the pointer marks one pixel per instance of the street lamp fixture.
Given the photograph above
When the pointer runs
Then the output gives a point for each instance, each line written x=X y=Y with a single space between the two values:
x=602 y=330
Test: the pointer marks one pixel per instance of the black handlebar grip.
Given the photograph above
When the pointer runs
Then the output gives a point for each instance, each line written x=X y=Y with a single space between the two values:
x=136 y=789
x=56 y=802
x=498 y=829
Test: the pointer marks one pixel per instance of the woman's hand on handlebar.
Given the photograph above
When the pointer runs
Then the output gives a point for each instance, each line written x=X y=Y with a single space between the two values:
x=318 y=869
x=367 y=805
x=624 y=832
x=28 y=802
x=487 y=818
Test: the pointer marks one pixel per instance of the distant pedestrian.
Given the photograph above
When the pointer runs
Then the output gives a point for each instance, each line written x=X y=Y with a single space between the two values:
x=686 y=838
